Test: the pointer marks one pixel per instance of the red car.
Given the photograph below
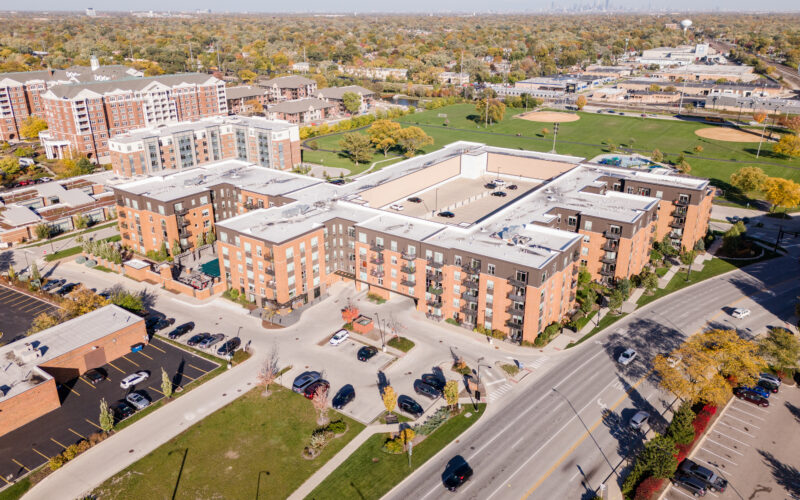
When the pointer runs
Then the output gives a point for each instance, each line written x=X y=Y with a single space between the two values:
x=750 y=396
x=311 y=390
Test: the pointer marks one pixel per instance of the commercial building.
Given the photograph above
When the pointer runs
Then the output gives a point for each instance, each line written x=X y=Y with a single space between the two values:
x=507 y=263
x=615 y=72
x=712 y=72
x=302 y=111
x=336 y=95
x=34 y=365
x=157 y=150
x=288 y=87
x=82 y=117
x=20 y=93
x=675 y=56
x=761 y=88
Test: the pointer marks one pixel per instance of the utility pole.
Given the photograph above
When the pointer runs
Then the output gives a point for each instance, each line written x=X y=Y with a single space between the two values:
x=555 y=134
x=191 y=56
x=778 y=240
x=487 y=112
x=762 y=136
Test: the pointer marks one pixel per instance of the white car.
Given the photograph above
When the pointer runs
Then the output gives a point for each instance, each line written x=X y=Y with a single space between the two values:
x=137 y=400
x=499 y=182
x=639 y=419
x=396 y=206
x=626 y=357
x=339 y=337
x=134 y=379
x=740 y=313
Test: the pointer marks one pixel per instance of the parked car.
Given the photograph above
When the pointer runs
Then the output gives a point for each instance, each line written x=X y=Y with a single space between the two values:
x=229 y=347
x=150 y=322
x=210 y=341
x=626 y=357
x=768 y=385
x=65 y=289
x=709 y=477
x=415 y=199
x=691 y=484
x=304 y=380
x=181 y=330
x=499 y=182
x=408 y=405
x=426 y=390
x=456 y=474
x=446 y=214
x=312 y=389
x=344 y=396
x=501 y=194
x=122 y=410
x=740 y=313
x=434 y=381
x=338 y=182
x=761 y=391
x=196 y=339
x=52 y=285
x=511 y=187
x=772 y=378
x=95 y=375
x=137 y=400
x=490 y=185
x=367 y=352
x=339 y=337
x=750 y=397
x=396 y=206
x=133 y=379
x=639 y=420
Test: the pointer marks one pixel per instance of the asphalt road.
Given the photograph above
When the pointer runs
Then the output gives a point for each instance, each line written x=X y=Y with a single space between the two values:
x=537 y=447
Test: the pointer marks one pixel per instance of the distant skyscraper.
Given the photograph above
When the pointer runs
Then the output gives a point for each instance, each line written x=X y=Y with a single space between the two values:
x=90 y=12
x=607 y=1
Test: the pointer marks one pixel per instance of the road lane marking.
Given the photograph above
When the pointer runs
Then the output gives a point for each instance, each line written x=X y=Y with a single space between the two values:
x=719 y=456
x=187 y=376
x=42 y=454
x=744 y=421
x=129 y=361
x=115 y=366
x=56 y=442
x=21 y=465
x=71 y=390
x=6 y=480
x=722 y=445
x=498 y=381
x=76 y=433
x=682 y=493
x=154 y=389
x=94 y=424
x=734 y=407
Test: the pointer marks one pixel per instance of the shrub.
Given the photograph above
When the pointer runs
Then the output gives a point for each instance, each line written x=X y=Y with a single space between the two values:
x=70 y=452
x=510 y=369
x=348 y=327
x=681 y=429
x=393 y=446
x=452 y=321
x=56 y=462
x=648 y=488
x=433 y=421
x=318 y=440
x=337 y=427
x=80 y=259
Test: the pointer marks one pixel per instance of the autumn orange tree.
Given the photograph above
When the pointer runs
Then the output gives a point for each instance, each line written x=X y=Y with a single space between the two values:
x=389 y=398
x=782 y=193
x=383 y=134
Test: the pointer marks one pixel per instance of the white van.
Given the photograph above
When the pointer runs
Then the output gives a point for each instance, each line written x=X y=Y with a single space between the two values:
x=740 y=313
x=26 y=162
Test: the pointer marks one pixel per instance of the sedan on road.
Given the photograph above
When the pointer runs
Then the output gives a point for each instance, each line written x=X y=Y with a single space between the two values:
x=344 y=396
x=764 y=393
x=133 y=379
x=490 y=185
x=626 y=357
x=499 y=193
x=446 y=214
x=750 y=397
x=320 y=385
x=181 y=330
x=415 y=199
x=137 y=400
x=639 y=420
x=210 y=341
x=366 y=353
x=740 y=313
x=196 y=339
x=229 y=347
x=457 y=473
x=339 y=337
x=408 y=405
x=434 y=380
x=426 y=390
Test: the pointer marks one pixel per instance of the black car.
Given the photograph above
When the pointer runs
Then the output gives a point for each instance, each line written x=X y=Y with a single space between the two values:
x=66 y=289
x=122 y=410
x=196 y=339
x=344 y=396
x=691 y=484
x=511 y=187
x=181 y=330
x=447 y=214
x=434 y=381
x=304 y=380
x=490 y=185
x=750 y=396
x=415 y=199
x=499 y=193
x=456 y=474
x=367 y=352
x=52 y=285
x=426 y=390
x=768 y=385
x=338 y=182
x=151 y=322
x=712 y=480
x=229 y=347
x=408 y=405
x=95 y=375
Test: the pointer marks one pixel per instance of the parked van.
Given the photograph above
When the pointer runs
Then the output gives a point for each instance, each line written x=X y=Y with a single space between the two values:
x=26 y=162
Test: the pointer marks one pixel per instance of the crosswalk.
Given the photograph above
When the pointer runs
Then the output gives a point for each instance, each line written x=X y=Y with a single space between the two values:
x=496 y=392
x=499 y=387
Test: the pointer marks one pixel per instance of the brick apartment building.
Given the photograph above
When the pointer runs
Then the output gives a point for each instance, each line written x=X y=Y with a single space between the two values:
x=157 y=150
x=507 y=263
x=35 y=365
x=83 y=117
x=302 y=111
x=20 y=93
x=336 y=95
x=288 y=87
x=241 y=99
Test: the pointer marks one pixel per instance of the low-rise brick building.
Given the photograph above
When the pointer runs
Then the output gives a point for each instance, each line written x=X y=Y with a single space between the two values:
x=288 y=87
x=302 y=111
x=336 y=96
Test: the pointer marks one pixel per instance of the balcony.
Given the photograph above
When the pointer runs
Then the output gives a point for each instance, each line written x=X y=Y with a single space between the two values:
x=376 y=259
x=469 y=297
x=435 y=290
x=434 y=276
x=184 y=222
x=376 y=248
x=681 y=202
x=408 y=256
x=612 y=235
x=123 y=225
x=678 y=212
x=513 y=281
x=610 y=246
x=675 y=236
x=269 y=271
x=514 y=323
x=512 y=309
x=408 y=269
x=182 y=211
x=575 y=270
x=607 y=272
x=434 y=302
x=466 y=309
x=608 y=260
x=677 y=223
x=436 y=265
x=513 y=296
x=405 y=282
x=471 y=268
x=184 y=234
x=472 y=284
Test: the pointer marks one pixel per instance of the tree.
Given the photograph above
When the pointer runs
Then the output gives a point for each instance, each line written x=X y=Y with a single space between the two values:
x=615 y=300
x=269 y=370
x=657 y=459
x=43 y=322
x=698 y=149
x=782 y=192
x=580 y=102
x=493 y=112
x=81 y=221
x=35 y=275
x=389 y=398
x=32 y=126
x=681 y=429
x=383 y=134
x=83 y=301
x=255 y=105
x=211 y=237
x=406 y=435
x=166 y=383
x=247 y=76
x=657 y=156
x=176 y=248
x=132 y=302
x=200 y=239
x=687 y=257
x=451 y=393
x=684 y=167
x=42 y=231
x=412 y=139
x=650 y=283
x=352 y=102
x=106 y=416
x=788 y=145
x=320 y=402
x=357 y=146
x=9 y=166
x=790 y=122
x=545 y=131
x=748 y=179
x=781 y=349
x=759 y=116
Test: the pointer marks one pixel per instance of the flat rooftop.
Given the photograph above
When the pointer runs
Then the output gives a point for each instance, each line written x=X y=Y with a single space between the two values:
x=21 y=359
x=199 y=125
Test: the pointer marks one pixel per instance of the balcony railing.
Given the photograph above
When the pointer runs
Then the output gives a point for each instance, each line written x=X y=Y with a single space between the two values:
x=471 y=269
x=513 y=281
x=677 y=223
x=681 y=202
x=608 y=260
x=408 y=269
x=434 y=302
x=377 y=274
x=517 y=298
x=435 y=290
x=607 y=272
x=473 y=284
x=408 y=256
x=512 y=309
x=612 y=235
x=575 y=270
x=610 y=245
x=679 y=212
x=469 y=297
x=376 y=259
x=675 y=236
x=434 y=275
x=182 y=211
x=376 y=248
x=184 y=234
x=466 y=309
x=184 y=222
x=514 y=323
x=405 y=282
x=434 y=264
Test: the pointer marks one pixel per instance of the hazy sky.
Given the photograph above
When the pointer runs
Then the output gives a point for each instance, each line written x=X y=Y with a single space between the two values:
x=405 y=6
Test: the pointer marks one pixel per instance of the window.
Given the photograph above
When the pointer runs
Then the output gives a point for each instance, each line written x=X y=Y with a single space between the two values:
x=587 y=225
x=584 y=251
x=362 y=237
x=490 y=269
x=572 y=220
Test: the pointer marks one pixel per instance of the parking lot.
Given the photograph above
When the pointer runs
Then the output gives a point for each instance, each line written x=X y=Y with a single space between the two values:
x=17 y=311
x=29 y=446
x=755 y=449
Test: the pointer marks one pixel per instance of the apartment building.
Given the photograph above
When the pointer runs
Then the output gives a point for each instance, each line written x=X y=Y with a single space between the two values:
x=288 y=87
x=20 y=93
x=375 y=73
x=453 y=78
x=158 y=150
x=302 y=111
x=241 y=99
x=83 y=117
x=335 y=95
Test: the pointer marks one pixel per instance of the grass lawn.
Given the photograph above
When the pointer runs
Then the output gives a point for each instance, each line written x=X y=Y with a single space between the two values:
x=72 y=235
x=62 y=254
x=16 y=490
x=606 y=321
x=227 y=453
x=362 y=476
x=401 y=343
x=102 y=268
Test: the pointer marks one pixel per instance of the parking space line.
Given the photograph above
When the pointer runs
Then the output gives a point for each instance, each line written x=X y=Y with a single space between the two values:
x=70 y=389
x=723 y=446
x=145 y=355
x=187 y=376
x=94 y=424
x=154 y=389
x=56 y=442
x=198 y=369
x=719 y=456
x=6 y=480
x=679 y=491
x=156 y=347
x=744 y=421
x=76 y=432
x=14 y=302
x=746 y=413
x=129 y=361
x=21 y=465
x=40 y=453
x=87 y=383
x=115 y=367
x=734 y=428
x=731 y=438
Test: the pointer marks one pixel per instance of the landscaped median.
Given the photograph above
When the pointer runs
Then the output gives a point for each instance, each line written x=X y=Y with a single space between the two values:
x=372 y=470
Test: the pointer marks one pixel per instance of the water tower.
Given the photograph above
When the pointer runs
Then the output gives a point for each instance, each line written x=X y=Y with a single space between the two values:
x=685 y=25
